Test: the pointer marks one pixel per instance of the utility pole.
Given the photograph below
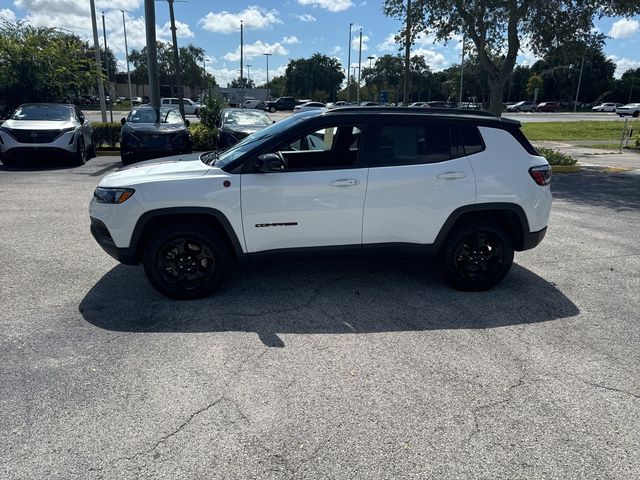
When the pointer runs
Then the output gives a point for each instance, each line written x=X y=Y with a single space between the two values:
x=106 y=57
x=248 y=72
x=242 y=62
x=267 y=55
x=126 y=52
x=359 y=68
x=152 y=51
x=176 y=59
x=349 y=65
x=575 y=104
x=407 y=55
x=461 y=70
x=96 y=46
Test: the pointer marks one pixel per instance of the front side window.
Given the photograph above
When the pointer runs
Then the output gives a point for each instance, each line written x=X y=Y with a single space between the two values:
x=414 y=144
x=328 y=148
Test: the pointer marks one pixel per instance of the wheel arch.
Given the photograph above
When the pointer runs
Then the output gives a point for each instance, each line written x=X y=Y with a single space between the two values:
x=510 y=216
x=152 y=221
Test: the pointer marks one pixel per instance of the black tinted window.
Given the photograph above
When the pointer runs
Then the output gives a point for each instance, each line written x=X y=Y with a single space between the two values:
x=470 y=140
x=407 y=144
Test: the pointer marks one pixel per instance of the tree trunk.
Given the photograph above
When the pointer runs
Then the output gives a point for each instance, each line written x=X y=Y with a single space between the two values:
x=496 y=90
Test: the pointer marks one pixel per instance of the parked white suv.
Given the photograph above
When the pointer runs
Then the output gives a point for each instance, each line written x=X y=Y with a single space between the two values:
x=190 y=107
x=464 y=185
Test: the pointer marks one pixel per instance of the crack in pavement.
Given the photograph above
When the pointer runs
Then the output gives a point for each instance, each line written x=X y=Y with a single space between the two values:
x=611 y=389
x=476 y=411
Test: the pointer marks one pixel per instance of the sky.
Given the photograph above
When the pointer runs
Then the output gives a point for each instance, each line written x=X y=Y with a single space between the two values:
x=288 y=30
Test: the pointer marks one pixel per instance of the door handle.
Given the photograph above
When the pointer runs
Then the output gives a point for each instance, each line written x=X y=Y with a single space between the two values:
x=345 y=182
x=451 y=175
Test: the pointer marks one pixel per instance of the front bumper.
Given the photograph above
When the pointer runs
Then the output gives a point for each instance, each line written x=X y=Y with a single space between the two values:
x=101 y=233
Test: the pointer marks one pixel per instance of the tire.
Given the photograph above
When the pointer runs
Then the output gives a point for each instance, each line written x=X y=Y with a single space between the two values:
x=91 y=153
x=272 y=109
x=9 y=162
x=185 y=261
x=80 y=156
x=534 y=110
x=635 y=114
x=126 y=159
x=464 y=260
x=197 y=113
x=517 y=109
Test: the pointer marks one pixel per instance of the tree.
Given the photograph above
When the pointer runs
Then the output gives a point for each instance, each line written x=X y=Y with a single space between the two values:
x=40 y=64
x=241 y=82
x=498 y=28
x=534 y=83
x=319 y=75
x=276 y=87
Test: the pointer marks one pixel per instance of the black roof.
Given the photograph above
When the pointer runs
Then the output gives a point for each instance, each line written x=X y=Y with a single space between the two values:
x=477 y=116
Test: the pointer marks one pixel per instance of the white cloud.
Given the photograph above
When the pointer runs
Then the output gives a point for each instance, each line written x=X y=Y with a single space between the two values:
x=255 y=50
x=305 y=17
x=258 y=75
x=292 y=40
x=7 y=15
x=330 y=5
x=623 y=64
x=182 y=30
x=336 y=50
x=624 y=28
x=253 y=17
x=389 y=44
x=355 y=42
x=434 y=60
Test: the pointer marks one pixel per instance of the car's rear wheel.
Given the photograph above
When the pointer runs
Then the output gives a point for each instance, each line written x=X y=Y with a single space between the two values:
x=636 y=113
x=186 y=261
x=477 y=256
x=80 y=156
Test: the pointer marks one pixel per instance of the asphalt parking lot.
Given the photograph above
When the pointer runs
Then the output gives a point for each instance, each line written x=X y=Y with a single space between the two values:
x=327 y=369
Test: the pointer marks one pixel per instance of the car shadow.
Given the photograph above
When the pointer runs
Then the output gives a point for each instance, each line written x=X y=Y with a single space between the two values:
x=39 y=164
x=325 y=297
x=617 y=191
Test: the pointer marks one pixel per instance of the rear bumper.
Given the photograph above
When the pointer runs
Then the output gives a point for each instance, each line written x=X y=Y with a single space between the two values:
x=101 y=233
x=532 y=239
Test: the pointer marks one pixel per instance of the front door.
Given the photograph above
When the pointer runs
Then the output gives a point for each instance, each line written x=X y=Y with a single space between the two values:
x=316 y=201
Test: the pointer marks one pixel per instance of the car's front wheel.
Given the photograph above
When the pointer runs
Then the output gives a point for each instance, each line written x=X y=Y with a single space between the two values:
x=80 y=156
x=477 y=256
x=517 y=109
x=197 y=113
x=186 y=261
x=272 y=109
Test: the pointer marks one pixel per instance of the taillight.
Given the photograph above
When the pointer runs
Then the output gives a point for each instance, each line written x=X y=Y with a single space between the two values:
x=541 y=175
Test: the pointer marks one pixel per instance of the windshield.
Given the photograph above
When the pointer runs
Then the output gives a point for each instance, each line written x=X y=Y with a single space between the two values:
x=246 y=119
x=148 y=115
x=258 y=138
x=59 y=113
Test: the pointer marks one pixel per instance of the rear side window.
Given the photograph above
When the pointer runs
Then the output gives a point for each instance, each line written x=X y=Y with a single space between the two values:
x=522 y=140
x=411 y=144
x=470 y=140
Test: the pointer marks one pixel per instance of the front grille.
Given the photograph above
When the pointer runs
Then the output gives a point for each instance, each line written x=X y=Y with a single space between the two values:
x=34 y=136
x=155 y=139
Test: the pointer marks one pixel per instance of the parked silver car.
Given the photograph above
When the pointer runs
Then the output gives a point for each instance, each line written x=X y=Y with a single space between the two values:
x=46 y=129
x=524 y=106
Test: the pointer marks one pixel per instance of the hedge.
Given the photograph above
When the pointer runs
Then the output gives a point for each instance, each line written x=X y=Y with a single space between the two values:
x=203 y=137
x=106 y=134
x=556 y=157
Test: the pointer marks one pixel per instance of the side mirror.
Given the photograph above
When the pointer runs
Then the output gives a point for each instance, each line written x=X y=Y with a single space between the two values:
x=123 y=121
x=187 y=123
x=269 y=162
x=81 y=120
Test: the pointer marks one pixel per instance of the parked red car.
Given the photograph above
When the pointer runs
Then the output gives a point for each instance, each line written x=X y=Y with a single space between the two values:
x=548 y=107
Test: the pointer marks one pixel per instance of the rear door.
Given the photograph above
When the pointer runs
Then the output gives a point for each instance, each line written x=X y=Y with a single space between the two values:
x=420 y=176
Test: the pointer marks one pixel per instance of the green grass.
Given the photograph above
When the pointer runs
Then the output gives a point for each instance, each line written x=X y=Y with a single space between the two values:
x=584 y=130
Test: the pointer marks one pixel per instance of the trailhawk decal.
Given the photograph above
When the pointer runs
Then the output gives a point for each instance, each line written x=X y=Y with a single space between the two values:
x=279 y=224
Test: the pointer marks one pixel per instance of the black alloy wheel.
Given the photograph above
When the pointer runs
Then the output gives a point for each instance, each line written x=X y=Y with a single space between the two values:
x=477 y=256
x=80 y=156
x=185 y=261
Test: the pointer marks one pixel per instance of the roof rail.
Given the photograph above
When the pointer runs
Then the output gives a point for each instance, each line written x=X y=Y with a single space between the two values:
x=427 y=110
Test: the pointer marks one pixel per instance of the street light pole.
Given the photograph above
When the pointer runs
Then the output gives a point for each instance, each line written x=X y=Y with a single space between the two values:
x=461 y=70
x=407 y=55
x=359 y=68
x=106 y=57
x=96 y=46
x=370 y=58
x=349 y=65
x=248 y=73
x=267 y=55
x=152 y=52
x=126 y=52
x=176 y=59
x=575 y=104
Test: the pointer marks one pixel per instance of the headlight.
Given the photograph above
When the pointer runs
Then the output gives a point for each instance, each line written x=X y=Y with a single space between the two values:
x=112 y=195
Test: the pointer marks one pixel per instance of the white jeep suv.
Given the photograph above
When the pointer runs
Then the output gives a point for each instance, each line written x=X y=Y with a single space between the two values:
x=466 y=186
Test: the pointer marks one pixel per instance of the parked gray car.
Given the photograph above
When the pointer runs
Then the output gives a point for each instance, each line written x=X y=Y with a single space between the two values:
x=524 y=106
x=38 y=130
